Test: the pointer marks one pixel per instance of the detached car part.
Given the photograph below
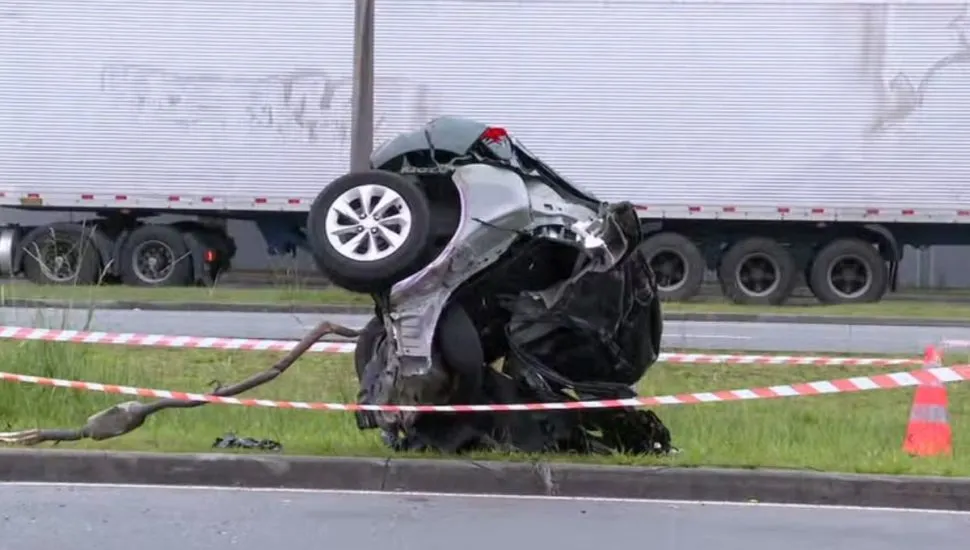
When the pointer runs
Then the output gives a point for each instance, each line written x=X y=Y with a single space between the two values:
x=477 y=253
x=495 y=280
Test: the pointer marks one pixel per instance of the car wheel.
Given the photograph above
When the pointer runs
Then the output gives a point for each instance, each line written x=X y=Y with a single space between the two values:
x=848 y=271
x=757 y=271
x=368 y=343
x=369 y=230
x=677 y=264
x=461 y=349
x=456 y=338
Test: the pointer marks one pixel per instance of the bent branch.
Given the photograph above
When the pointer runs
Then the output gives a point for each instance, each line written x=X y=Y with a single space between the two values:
x=125 y=417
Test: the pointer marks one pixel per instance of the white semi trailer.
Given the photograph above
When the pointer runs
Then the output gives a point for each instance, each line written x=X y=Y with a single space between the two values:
x=771 y=141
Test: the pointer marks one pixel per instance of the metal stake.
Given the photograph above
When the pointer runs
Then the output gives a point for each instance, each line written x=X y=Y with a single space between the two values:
x=362 y=117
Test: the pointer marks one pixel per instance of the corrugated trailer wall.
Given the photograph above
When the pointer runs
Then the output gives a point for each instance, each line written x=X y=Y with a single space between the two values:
x=919 y=34
x=638 y=99
x=662 y=102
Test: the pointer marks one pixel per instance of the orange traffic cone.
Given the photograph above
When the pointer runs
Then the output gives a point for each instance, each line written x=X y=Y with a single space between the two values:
x=929 y=433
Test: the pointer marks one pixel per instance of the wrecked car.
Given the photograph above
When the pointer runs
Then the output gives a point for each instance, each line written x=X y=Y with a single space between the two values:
x=495 y=280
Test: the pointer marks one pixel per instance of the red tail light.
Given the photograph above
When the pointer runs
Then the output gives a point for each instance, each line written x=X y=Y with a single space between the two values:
x=494 y=134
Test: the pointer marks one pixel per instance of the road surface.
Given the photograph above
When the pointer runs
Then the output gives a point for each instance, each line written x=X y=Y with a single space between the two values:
x=164 y=518
x=695 y=335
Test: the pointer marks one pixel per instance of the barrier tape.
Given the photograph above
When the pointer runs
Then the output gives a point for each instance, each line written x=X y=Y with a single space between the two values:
x=249 y=344
x=955 y=343
x=844 y=385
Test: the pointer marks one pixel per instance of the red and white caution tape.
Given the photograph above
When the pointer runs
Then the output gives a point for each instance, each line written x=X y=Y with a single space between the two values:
x=165 y=341
x=248 y=344
x=844 y=385
x=790 y=360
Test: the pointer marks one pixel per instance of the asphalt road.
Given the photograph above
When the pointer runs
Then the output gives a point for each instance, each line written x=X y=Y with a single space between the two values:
x=696 y=335
x=163 y=518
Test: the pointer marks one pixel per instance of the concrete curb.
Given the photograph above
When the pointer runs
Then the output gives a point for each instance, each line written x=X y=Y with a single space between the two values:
x=366 y=310
x=450 y=476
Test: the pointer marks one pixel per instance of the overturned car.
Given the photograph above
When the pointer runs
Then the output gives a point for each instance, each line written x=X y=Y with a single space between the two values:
x=495 y=281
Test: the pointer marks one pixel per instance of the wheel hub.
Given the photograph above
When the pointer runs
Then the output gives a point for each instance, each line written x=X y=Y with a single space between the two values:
x=758 y=275
x=153 y=261
x=670 y=269
x=368 y=223
x=59 y=258
x=849 y=277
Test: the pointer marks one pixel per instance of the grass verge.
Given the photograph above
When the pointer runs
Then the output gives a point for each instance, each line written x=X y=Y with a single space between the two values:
x=848 y=433
x=271 y=295
x=895 y=309
x=283 y=295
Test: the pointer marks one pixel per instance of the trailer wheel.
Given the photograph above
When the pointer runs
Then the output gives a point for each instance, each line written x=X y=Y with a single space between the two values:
x=60 y=254
x=156 y=255
x=369 y=230
x=757 y=270
x=677 y=264
x=848 y=271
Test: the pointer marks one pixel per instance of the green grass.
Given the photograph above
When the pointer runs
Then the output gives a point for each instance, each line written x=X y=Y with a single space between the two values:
x=849 y=433
x=299 y=295
x=902 y=309
x=273 y=295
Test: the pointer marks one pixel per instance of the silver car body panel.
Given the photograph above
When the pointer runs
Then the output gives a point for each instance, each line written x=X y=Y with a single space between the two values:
x=497 y=205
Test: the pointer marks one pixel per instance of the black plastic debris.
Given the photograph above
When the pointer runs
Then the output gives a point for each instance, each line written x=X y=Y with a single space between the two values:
x=231 y=441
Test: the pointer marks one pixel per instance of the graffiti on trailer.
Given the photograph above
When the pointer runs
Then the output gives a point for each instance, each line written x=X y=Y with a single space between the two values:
x=303 y=105
x=906 y=94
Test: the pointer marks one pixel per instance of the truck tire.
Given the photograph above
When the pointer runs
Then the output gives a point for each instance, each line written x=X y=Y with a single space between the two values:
x=848 y=271
x=358 y=251
x=156 y=256
x=60 y=254
x=757 y=271
x=677 y=264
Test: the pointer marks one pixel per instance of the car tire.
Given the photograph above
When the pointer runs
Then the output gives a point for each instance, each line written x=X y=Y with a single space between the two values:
x=677 y=265
x=367 y=344
x=846 y=256
x=161 y=242
x=757 y=271
x=73 y=237
x=389 y=248
x=456 y=338
x=460 y=345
